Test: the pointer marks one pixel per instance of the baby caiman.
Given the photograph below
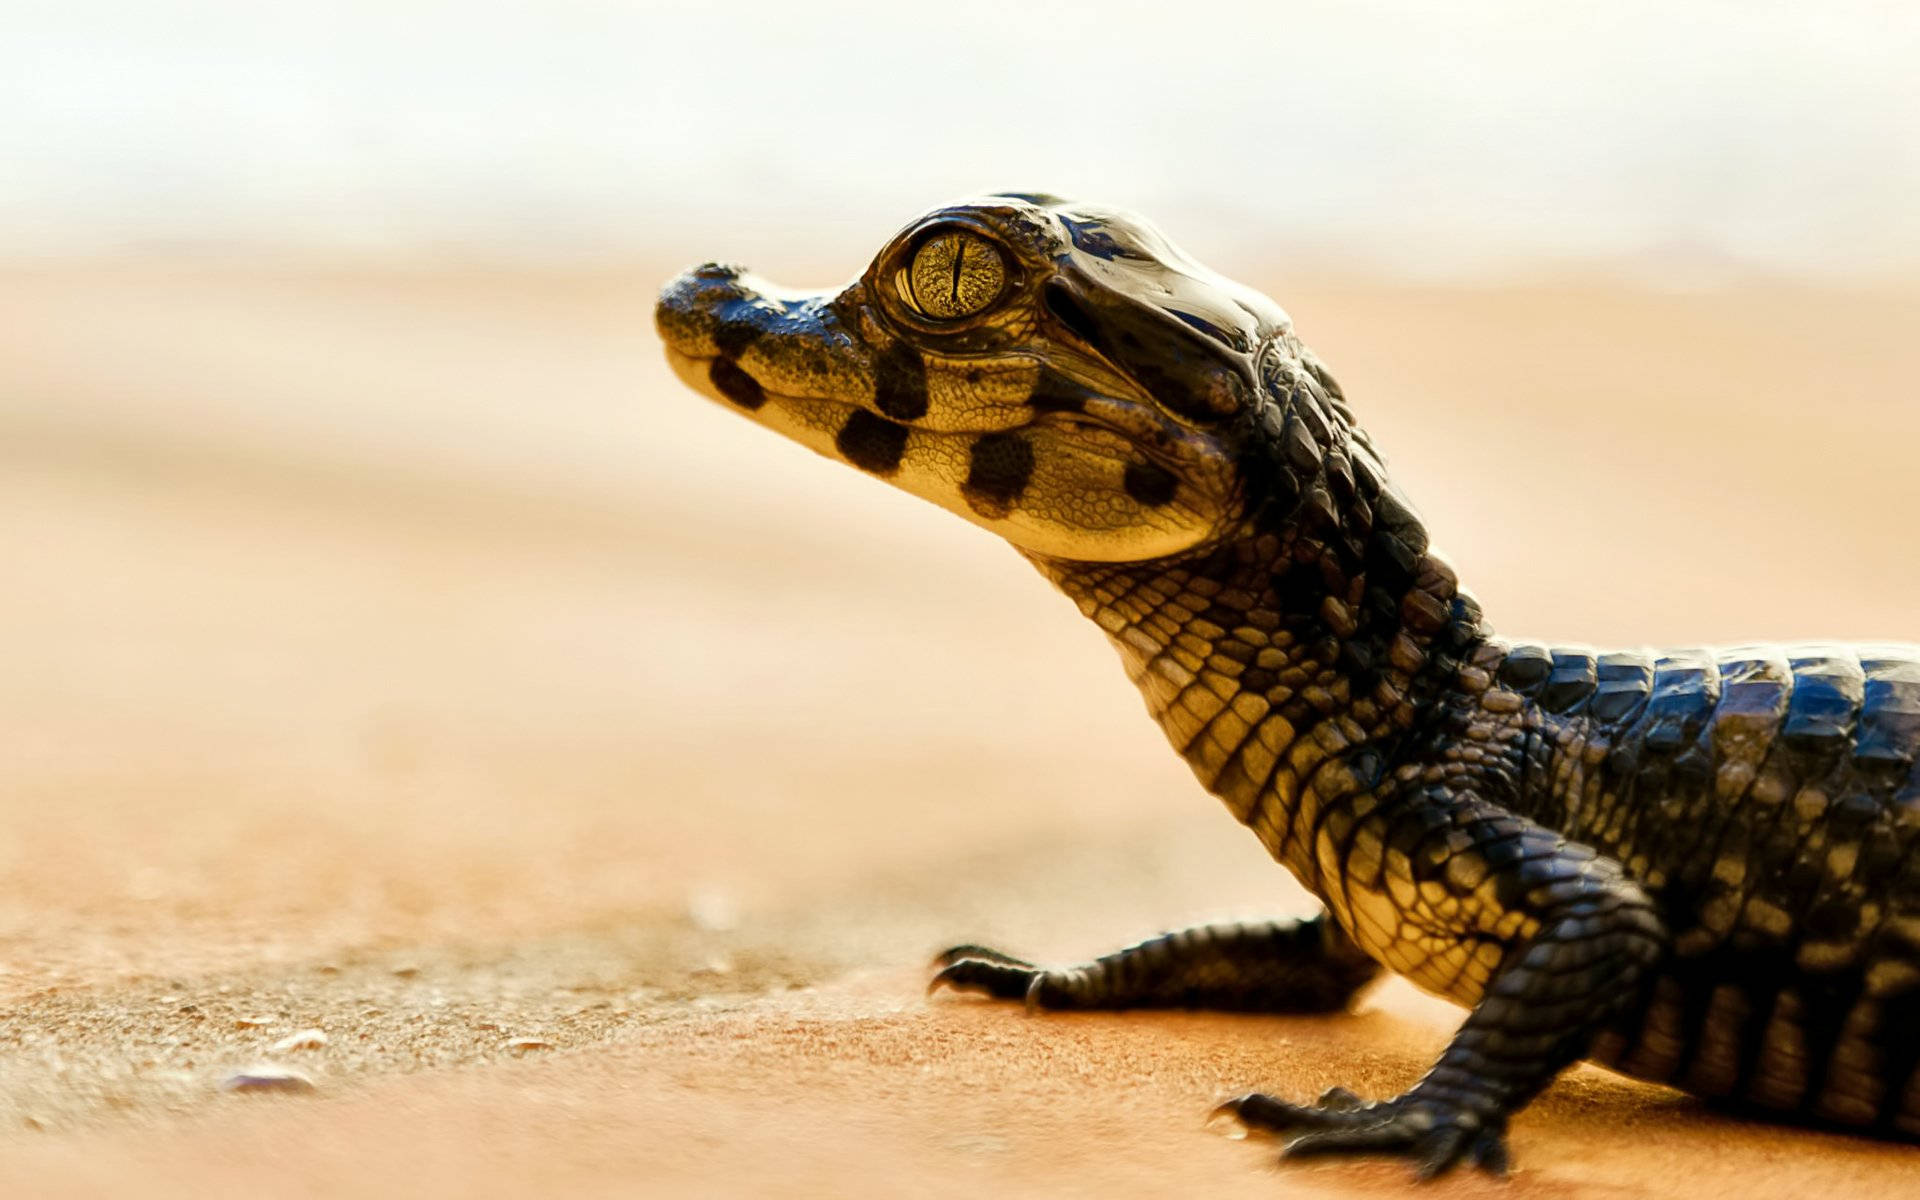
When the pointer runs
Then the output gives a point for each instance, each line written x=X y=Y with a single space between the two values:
x=1694 y=866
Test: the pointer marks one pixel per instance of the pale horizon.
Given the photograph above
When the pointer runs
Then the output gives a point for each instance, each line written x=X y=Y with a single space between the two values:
x=1458 y=143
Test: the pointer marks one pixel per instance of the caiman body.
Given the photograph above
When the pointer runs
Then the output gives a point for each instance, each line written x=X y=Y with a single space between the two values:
x=1694 y=867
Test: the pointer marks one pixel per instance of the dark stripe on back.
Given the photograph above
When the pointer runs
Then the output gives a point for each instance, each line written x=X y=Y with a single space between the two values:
x=872 y=443
x=735 y=384
x=999 y=467
x=1828 y=999
x=1697 y=978
x=1763 y=976
x=1632 y=1026
x=1897 y=1037
x=900 y=383
x=1149 y=483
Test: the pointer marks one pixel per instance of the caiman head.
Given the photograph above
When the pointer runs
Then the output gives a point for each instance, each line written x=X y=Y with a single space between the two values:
x=1058 y=373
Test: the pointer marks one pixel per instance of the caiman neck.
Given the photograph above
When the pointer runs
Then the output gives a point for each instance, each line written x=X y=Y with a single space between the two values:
x=1298 y=661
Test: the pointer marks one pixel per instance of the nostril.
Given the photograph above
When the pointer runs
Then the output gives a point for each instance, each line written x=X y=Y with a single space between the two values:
x=692 y=300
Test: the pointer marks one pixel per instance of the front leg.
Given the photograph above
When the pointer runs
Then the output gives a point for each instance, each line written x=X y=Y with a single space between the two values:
x=1307 y=965
x=1546 y=939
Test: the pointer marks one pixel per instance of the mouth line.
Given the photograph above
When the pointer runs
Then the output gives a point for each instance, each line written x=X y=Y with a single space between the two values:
x=741 y=390
x=1176 y=478
x=706 y=364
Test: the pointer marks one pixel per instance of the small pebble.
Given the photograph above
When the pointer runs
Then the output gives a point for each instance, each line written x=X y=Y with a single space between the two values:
x=252 y=1022
x=1227 y=1125
x=267 y=1078
x=306 y=1039
x=712 y=910
x=406 y=972
x=523 y=1045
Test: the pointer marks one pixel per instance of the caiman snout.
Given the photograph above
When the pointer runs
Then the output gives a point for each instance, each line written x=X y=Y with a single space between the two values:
x=742 y=336
x=719 y=309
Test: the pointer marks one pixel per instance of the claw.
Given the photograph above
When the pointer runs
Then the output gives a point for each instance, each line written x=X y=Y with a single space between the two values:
x=1257 y=1110
x=1339 y=1099
x=942 y=979
x=1442 y=1151
x=1224 y=1115
x=1001 y=980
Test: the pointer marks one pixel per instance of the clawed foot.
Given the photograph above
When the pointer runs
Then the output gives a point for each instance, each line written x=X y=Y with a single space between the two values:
x=1437 y=1137
x=978 y=969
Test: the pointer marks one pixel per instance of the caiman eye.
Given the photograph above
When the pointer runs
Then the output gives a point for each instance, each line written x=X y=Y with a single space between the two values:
x=953 y=275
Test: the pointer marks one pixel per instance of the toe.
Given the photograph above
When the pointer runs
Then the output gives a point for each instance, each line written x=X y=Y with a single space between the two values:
x=1489 y=1153
x=1385 y=1137
x=1257 y=1110
x=1003 y=981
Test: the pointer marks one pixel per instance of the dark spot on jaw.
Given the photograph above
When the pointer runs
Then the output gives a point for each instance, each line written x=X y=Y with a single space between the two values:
x=872 y=443
x=999 y=467
x=733 y=337
x=1150 y=484
x=735 y=384
x=1054 y=392
x=900 y=383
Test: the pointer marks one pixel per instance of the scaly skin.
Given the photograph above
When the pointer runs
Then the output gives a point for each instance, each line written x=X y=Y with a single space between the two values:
x=1693 y=868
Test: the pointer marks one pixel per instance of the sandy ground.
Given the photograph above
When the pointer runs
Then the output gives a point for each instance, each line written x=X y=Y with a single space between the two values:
x=402 y=654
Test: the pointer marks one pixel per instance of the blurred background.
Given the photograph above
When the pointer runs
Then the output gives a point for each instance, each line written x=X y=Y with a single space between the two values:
x=372 y=597
x=1458 y=142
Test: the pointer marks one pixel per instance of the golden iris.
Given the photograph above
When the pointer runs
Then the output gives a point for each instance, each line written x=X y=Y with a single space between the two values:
x=954 y=275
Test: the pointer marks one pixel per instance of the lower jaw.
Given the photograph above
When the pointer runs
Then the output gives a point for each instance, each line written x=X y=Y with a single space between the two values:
x=820 y=425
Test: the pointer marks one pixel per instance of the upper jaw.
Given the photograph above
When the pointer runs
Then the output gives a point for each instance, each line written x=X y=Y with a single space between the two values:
x=740 y=338
x=718 y=309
